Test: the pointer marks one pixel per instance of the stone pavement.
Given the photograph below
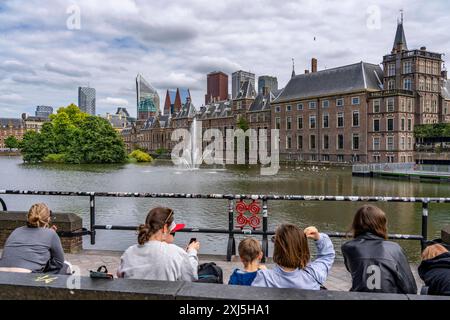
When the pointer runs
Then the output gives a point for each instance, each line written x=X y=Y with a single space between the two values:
x=339 y=279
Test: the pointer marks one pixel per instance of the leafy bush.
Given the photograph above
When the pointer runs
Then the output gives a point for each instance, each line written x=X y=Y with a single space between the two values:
x=140 y=156
x=161 y=151
x=55 y=158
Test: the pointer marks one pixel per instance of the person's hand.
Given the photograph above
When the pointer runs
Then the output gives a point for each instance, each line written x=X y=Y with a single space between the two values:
x=312 y=233
x=54 y=227
x=194 y=245
x=262 y=267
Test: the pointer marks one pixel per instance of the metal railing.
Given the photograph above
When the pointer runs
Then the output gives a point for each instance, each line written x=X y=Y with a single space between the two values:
x=231 y=198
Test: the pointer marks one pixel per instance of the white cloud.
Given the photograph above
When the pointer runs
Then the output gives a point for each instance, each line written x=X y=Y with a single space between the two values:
x=176 y=43
x=114 y=101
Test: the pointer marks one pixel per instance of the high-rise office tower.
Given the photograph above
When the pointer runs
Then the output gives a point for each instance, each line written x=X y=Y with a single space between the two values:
x=147 y=99
x=267 y=82
x=86 y=100
x=217 y=87
x=43 y=111
x=238 y=78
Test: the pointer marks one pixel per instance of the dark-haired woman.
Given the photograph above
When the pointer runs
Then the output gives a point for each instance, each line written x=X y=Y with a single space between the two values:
x=293 y=268
x=155 y=257
x=375 y=264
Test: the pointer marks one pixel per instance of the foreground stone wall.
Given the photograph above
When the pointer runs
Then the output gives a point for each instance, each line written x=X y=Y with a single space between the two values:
x=66 y=222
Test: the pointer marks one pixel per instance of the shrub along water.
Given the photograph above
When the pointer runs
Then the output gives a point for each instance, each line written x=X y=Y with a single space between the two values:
x=140 y=156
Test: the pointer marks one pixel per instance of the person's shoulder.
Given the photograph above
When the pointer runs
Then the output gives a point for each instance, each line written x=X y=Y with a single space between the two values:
x=170 y=247
x=392 y=245
x=348 y=244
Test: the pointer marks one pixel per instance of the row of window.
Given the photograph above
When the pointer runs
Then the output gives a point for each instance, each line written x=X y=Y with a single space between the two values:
x=313 y=121
x=405 y=143
x=405 y=124
x=325 y=142
x=424 y=85
x=313 y=104
x=406 y=105
x=407 y=67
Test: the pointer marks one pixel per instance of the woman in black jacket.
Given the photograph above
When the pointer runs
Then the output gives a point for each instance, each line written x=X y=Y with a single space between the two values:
x=435 y=270
x=376 y=265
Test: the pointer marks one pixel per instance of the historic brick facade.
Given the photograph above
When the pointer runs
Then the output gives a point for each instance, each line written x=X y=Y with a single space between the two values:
x=11 y=127
x=359 y=113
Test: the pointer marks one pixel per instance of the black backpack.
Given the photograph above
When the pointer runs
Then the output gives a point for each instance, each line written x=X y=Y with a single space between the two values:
x=210 y=273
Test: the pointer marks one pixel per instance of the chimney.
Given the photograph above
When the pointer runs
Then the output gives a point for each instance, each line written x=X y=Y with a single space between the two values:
x=313 y=65
x=265 y=91
x=306 y=71
x=444 y=74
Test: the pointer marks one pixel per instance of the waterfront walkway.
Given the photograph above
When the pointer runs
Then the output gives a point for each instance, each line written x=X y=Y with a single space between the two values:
x=338 y=280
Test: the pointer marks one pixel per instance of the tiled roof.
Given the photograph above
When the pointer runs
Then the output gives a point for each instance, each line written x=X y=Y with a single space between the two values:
x=187 y=111
x=400 y=39
x=246 y=91
x=216 y=110
x=356 y=77
x=15 y=123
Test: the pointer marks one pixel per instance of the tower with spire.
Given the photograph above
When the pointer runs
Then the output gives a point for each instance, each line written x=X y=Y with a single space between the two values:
x=400 y=39
x=410 y=96
x=293 y=68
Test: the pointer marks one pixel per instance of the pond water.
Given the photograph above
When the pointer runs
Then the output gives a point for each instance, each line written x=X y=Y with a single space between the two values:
x=162 y=176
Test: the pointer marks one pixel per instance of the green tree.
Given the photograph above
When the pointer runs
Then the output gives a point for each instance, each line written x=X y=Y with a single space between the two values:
x=95 y=141
x=73 y=136
x=11 y=142
x=243 y=124
x=33 y=147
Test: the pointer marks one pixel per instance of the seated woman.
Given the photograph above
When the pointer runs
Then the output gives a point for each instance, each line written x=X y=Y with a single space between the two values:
x=375 y=264
x=35 y=247
x=293 y=268
x=435 y=270
x=155 y=257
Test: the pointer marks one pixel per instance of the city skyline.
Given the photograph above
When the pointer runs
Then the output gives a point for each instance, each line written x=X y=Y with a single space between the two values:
x=40 y=67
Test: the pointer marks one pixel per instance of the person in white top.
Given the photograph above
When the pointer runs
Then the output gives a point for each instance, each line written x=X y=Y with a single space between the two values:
x=155 y=257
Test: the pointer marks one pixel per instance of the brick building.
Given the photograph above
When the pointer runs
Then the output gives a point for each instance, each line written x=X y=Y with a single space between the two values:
x=358 y=113
x=11 y=127
x=217 y=87
x=321 y=115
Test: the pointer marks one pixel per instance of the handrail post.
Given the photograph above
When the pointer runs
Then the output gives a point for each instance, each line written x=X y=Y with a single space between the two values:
x=231 y=247
x=5 y=208
x=265 y=243
x=424 y=223
x=92 y=217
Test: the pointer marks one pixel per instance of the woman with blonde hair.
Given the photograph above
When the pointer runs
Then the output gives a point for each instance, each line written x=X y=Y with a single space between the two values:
x=35 y=247
x=435 y=270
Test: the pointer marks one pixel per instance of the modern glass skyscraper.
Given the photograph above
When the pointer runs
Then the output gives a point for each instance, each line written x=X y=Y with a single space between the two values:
x=268 y=82
x=86 y=100
x=147 y=99
x=43 y=111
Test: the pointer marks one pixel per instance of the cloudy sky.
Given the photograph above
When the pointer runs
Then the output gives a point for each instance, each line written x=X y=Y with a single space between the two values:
x=49 y=48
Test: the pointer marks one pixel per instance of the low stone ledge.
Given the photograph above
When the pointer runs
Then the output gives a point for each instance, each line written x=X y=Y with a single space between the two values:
x=66 y=222
x=28 y=287
x=194 y=291
x=31 y=287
